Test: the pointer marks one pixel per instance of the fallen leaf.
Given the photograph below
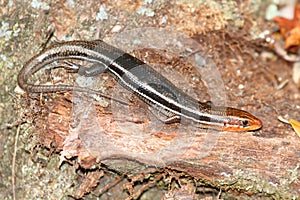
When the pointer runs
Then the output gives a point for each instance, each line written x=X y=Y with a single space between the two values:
x=296 y=126
x=294 y=38
x=289 y=24
x=290 y=29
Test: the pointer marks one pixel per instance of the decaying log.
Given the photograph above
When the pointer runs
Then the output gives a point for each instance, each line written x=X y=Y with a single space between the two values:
x=244 y=162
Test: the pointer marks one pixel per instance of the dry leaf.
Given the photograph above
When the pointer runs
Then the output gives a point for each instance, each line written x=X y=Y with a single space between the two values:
x=294 y=38
x=296 y=126
x=290 y=28
x=289 y=24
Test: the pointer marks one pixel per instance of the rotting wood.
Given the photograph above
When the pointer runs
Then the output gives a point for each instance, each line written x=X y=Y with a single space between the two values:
x=237 y=159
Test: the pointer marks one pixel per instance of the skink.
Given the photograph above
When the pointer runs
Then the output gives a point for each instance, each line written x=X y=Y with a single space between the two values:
x=142 y=80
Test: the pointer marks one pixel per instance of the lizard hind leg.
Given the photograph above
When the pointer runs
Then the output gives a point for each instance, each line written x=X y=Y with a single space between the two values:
x=94 y=70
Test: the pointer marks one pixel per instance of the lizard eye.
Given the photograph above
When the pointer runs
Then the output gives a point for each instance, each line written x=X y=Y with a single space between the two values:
x=245 y=122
